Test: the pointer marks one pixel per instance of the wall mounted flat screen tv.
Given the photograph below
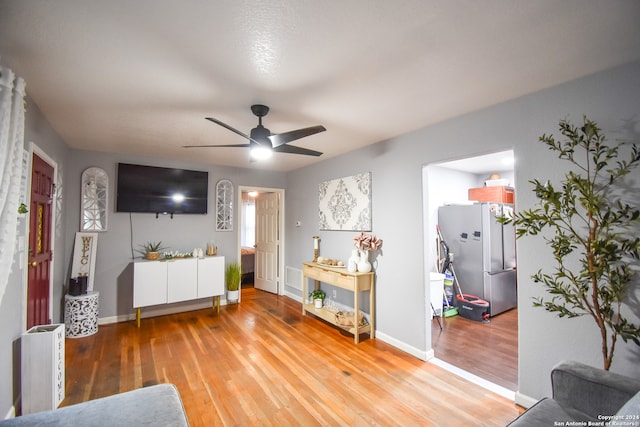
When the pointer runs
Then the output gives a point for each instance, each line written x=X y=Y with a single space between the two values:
x=153 y=189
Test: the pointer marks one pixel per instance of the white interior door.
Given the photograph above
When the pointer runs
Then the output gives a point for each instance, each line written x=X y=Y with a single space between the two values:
x=267 y=241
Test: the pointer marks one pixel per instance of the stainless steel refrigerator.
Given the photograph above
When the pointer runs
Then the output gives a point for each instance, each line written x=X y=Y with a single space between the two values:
x=484 y=252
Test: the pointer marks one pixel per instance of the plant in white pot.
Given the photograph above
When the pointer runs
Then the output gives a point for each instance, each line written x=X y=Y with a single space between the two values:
x=317 y=295
x=233 y=276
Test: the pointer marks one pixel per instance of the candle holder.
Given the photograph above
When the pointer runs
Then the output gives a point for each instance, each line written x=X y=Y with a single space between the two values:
x=316 y=248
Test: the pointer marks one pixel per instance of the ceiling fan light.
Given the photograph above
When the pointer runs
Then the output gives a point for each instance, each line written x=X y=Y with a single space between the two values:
x=261 y=153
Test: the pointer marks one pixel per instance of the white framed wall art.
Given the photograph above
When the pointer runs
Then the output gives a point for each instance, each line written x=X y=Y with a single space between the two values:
x=345 y=203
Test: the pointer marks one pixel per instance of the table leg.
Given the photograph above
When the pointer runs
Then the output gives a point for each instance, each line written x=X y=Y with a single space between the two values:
x=372 y=308
x=138 y=316
x=304 y=293
x=356 y=314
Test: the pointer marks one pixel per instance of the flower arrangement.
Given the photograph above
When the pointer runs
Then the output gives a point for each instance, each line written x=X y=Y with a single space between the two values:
x=367 y=242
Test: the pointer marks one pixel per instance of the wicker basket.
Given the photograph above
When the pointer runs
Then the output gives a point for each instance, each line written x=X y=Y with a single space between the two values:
x=153 y=256
x=345 y=318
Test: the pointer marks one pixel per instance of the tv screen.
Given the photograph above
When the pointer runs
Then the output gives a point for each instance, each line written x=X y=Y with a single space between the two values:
x=161 y=190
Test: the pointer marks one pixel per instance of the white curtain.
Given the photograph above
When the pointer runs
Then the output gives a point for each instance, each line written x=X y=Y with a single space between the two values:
x=12 y=93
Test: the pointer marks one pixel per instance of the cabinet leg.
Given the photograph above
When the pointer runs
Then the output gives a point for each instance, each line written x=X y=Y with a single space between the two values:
x=215 y=304
x=138 y=316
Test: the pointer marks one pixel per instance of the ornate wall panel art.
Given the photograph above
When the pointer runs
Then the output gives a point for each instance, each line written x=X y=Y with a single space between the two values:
x=93 y=210
x=345 y=203
x=224 y=205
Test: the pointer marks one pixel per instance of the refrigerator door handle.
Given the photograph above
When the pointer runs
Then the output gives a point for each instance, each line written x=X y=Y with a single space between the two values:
x=493 y=273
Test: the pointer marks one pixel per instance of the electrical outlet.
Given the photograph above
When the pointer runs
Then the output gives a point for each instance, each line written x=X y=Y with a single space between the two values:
x=335 y=293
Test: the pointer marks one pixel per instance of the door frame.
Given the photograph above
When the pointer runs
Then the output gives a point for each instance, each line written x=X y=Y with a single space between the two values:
x=281 y=228
x=32 y=149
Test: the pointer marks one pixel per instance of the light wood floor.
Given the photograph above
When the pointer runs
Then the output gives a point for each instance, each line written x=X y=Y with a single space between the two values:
x=488 y=350
x=262 y=363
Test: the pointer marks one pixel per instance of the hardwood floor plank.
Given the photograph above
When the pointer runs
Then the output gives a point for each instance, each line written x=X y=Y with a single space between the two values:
x=488 y=350
x=262 y=363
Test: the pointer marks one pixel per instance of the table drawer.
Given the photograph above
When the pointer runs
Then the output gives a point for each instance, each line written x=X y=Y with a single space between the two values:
x=331 y=277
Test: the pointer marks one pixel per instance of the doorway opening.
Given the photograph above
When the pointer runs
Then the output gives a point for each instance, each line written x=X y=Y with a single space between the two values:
x=485 y=350
x=261 y=238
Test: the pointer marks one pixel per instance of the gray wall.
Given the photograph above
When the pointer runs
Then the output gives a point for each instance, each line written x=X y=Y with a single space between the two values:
x=114 y=271
x=611 y=98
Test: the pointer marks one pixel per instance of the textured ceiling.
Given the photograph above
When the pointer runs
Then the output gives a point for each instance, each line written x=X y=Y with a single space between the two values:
x=140 y=76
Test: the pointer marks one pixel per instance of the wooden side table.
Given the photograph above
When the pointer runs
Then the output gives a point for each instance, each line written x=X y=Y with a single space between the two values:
x=340 y=277
x=81 y=314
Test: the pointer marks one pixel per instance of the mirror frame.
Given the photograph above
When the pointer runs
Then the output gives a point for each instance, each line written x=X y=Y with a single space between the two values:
x=94 y=199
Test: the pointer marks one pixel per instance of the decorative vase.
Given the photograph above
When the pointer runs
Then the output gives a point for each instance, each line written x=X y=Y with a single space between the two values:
x=318 y=302
x=352 y=263
x=364 y=266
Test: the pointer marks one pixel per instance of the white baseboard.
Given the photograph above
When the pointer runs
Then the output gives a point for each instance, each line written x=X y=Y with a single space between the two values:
x=11 y=413
x=420 y=354
x=158 y=311
x=495 y=388
x=524 y=400
x=293 y=296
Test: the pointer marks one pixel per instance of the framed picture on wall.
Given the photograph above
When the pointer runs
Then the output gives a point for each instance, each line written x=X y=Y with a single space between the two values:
x=345 y=203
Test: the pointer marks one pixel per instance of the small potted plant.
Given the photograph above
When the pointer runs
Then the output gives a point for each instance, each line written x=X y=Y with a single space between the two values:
x=233 y=276
x=151 y=250
x=317 y=295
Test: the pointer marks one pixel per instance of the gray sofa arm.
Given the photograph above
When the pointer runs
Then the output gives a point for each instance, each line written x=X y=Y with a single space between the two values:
x=158 y=406
x=591 y=390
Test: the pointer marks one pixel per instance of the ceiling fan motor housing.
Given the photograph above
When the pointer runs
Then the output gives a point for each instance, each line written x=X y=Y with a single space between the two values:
x=261 y=134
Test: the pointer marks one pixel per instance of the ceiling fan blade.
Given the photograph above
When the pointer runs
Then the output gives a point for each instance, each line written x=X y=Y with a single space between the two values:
x=209 y=146
x=286 y=137
x=224 y=125
x=296 y=150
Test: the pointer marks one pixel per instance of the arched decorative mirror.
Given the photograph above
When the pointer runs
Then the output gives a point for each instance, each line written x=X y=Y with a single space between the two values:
x=93 y=209
x=224 y=205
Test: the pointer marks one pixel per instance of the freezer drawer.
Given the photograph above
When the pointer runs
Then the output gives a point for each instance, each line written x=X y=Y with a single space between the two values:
x=501 y=291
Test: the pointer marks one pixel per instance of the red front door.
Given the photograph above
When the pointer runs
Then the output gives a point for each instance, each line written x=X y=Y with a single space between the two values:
x=40 y=254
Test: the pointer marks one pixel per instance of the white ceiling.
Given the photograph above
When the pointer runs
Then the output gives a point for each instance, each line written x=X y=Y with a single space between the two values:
x=138 y=77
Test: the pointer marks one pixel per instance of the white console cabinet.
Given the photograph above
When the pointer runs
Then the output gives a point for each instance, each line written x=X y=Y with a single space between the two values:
x=175 y=280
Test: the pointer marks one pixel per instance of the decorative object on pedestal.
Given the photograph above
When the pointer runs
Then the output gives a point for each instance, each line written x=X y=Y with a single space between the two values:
x=81 y=314
x=317 y=295
x=233 y=276
x=365 y=243
x=78 y=285
x=84 y=257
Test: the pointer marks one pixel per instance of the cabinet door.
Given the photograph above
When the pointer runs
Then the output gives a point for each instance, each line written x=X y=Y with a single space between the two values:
x=182 y=279
x=210 y=276
x=149 y=283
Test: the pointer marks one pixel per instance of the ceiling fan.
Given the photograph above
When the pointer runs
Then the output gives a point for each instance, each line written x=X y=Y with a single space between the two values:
x=262 y=142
